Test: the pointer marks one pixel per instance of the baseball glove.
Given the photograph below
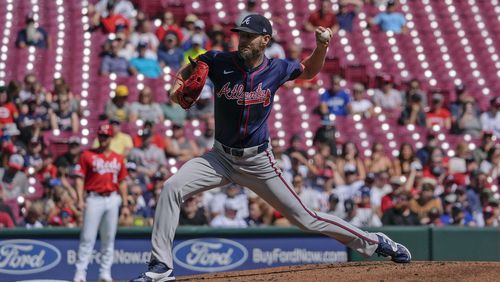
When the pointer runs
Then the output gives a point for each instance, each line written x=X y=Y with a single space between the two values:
x=190 y=90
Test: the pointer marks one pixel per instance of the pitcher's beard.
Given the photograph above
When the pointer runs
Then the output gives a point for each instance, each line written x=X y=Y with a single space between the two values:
x=248 y=54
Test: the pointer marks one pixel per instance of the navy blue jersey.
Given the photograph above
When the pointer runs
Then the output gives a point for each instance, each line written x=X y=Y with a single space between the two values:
x=244 y=97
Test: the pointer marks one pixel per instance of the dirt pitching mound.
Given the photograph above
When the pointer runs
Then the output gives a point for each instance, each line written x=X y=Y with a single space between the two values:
x=364 y=271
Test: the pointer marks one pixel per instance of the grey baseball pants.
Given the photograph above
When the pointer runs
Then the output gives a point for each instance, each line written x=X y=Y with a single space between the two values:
x=260 y=174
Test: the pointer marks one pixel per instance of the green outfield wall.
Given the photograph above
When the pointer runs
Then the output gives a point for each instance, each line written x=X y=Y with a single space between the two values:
x=425 y=243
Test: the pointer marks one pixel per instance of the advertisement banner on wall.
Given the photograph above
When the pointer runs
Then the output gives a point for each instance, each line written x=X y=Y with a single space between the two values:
x=54 y=259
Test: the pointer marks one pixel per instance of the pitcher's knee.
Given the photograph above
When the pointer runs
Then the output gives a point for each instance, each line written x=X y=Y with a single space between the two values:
x=171 y=189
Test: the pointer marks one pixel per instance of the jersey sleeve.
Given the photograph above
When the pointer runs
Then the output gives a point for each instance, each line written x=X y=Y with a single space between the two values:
x=290 y=70
x=208 y=57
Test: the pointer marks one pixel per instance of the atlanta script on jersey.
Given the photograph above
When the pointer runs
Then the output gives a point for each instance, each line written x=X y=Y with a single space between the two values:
x=102 y=173
x=244 y=97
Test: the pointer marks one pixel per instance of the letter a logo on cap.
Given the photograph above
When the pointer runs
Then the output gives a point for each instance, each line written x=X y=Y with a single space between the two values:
x=247 y=21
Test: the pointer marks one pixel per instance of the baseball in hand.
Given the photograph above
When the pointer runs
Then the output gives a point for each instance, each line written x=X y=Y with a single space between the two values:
x=325 y=35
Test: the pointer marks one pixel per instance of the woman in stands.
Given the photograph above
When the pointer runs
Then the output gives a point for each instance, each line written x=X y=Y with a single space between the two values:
x=350 y=161
x=406 y=159
x=378 y=162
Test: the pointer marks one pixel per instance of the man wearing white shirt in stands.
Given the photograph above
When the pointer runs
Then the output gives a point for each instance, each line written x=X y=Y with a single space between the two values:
x=490 y=120
x=228 y=218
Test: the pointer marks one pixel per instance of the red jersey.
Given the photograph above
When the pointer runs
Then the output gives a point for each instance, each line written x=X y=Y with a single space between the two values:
x=7 y=112
x=162 y=31
x=328 y=20
x=438 y=117
x=101 y=173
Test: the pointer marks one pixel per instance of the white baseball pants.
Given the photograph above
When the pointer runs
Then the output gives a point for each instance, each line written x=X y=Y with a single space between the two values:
x=260 y=174
x=101 y=214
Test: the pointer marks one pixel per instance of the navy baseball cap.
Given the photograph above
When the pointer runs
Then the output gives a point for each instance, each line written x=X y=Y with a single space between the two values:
x=255 y=24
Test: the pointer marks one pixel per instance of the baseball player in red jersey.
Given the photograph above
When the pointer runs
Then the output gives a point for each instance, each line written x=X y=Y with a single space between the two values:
x=101 y=174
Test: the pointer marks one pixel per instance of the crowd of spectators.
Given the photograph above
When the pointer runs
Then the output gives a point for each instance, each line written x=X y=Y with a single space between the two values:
x=420 y=186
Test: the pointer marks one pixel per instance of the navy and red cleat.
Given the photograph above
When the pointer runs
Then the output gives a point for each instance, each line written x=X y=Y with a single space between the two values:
x=157 y=272
x=388 y=248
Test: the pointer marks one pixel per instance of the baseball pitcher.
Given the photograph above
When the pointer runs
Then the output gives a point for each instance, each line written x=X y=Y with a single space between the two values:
x=245 y=84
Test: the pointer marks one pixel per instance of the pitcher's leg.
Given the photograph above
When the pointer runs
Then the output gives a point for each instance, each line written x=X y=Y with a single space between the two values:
x=280 y=194
x=197 y=175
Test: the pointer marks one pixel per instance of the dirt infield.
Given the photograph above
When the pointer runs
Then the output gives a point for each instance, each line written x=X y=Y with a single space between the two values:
x=365 y=271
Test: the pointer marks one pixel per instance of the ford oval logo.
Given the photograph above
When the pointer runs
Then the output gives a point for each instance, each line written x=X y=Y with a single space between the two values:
x=210 y=254
x=27 y=256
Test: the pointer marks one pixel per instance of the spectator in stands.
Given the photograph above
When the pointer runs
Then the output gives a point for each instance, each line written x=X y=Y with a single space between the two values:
x=144 y=65
x=169 y=52
x=437 y=165
x=61 y=88
x=390 y=20
x=149 y=158
x=33 y=156
x=347 y=191
x=145 y=109
x=205 y=142
x=406 y=160
x=469 y=123
x=143 y=36
x=255 y=215
x=324 y=17
x=68 y=160
x=111 y=20
x=413 y=112
x=157 y=139
x=118 y=108
x=33 y=119
x=379 y=187
x=65 y=213
x=335 y=100
x=282 y=160
x=64 y=119
x=113 y=63
x=424 y=153
x=491 y=216
x=141 y=212
x=173 y=112
x=230 y=193
x=250 y=9
x=491 y=165
x=218 y=39
x=188 y=27
x=360 y=105
x=349 y=161
x=8 y=111
x=414 y=87
x=13 y=180
x=34 y=216
x=490 y=120
x=438 y=114
x=228 y=218
x=378 y=161
x=32 y=35
x=425 y=202
x=196 y=48
x=204 y=107
x=274 y=49
x=325 y=135
x=460 y=216
x=179 y=146
x=124 y=8
x=400 y=214
x=487 y=142
x=6 y=221
x=346 y=16
x=294 y=54
x=121 y=143
x=387 y=97
x=168 y=25
x=478 y=184
x=307 y=195
x=191 y=213
x=198 y=31
x=5 y=208
x=363 y=215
